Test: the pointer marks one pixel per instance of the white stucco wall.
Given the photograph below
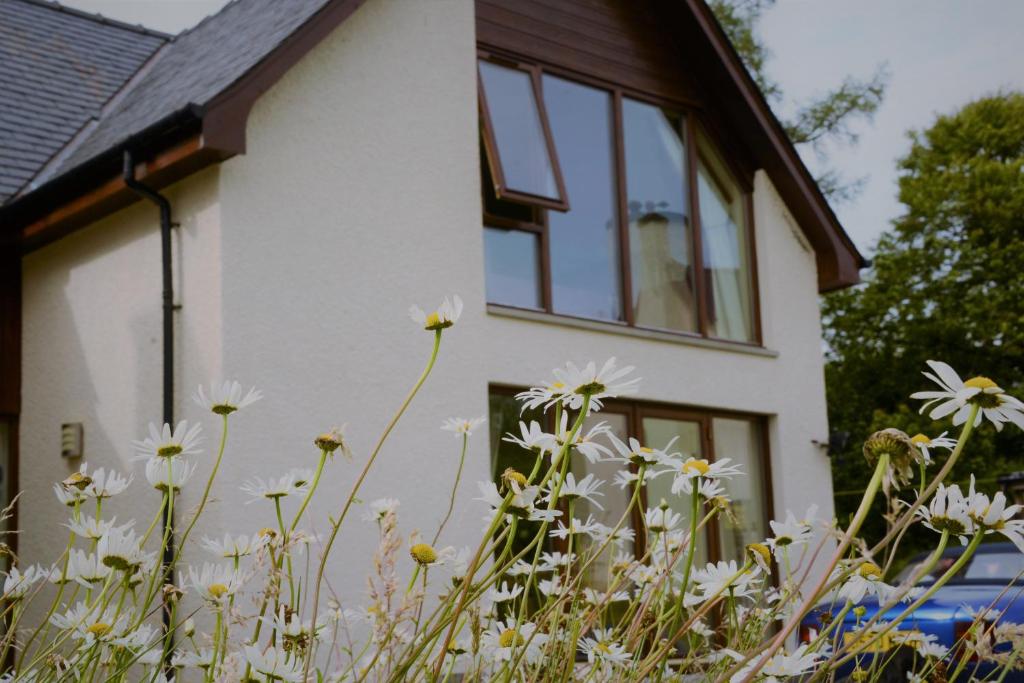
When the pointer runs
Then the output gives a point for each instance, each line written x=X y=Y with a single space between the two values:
x=358 y=195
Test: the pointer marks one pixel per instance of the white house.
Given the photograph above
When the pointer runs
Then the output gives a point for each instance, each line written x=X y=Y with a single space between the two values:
x=595 y=178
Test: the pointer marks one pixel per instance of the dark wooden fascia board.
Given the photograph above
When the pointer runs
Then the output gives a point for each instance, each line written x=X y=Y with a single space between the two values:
x=839 y=261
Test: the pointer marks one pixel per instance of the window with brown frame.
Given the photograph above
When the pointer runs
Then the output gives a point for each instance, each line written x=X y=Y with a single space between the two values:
x=701 y=433
x=606 y=204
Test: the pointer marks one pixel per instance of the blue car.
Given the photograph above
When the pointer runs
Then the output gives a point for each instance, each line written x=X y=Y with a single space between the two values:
x=982 y=583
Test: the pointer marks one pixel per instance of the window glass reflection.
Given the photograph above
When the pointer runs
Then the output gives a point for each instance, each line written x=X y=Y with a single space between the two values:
x=585 y=267
x=661 y=265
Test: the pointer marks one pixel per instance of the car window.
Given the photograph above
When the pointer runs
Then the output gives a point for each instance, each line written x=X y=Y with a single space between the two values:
x=995 y=566
x=941 y=566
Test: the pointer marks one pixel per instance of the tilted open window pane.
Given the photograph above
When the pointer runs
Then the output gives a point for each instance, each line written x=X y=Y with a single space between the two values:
x=584 y=241
x=521 y=158
x=660 y=242
x=740 y=441
x=725 y=248
x=512 y=262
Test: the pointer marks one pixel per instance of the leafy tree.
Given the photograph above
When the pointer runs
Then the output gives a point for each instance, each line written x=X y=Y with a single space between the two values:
x=946 y=283
x=828 y=118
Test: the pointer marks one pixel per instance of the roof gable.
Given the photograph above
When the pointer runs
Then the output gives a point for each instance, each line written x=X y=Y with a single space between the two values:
x=58 y=67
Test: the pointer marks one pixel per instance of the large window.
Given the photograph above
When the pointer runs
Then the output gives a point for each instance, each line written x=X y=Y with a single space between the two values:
x=699 y=433
x=603 y=204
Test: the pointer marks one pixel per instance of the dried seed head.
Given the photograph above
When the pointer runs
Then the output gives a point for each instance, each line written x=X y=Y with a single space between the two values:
x=902 y=451
x=511 y=475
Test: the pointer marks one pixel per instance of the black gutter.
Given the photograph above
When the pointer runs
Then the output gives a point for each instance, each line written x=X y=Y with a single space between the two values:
x=168 y=354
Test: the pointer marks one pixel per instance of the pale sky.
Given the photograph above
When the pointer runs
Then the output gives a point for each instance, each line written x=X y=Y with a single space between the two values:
x=940 y=54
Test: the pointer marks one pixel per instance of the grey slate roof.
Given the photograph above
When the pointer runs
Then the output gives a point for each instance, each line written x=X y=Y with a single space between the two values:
x=57 y=69
x=190 y=69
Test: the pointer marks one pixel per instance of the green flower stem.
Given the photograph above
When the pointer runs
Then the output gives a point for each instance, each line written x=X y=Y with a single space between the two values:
x=455 y=488
x=691 y=546
x=53 y=605
x=309 y=493
x=858 y=519
x=206 y=492
x=336 y=526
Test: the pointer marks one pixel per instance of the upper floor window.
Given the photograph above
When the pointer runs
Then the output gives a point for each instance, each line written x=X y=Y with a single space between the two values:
x=602 y=205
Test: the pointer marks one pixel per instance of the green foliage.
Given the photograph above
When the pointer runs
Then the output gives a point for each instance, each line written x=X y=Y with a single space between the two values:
x=824 y=119
x=946 y=283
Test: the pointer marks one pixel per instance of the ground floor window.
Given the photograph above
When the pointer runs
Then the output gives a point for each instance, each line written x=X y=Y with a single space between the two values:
x=708 y=434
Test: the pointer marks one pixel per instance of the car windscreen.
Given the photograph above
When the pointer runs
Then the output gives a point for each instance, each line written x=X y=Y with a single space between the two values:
x=995 y=567
x=911 y=569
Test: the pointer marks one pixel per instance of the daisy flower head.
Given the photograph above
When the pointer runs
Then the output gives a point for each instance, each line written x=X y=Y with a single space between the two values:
x=165 y=473
x=332 y=440
x=903 y=454
x=792 y=531
x=866 y=580
x=17 y=584
x=233 y=547
x=271 y=488
x=634 y=453
x=225 y=398
x=533 y=437
x=460 y=426
x=781 y=667
x=957 y=397
x=215 y=582
x=69 y=495
x=504 y=638
x=590 y=382
x=947 y=511
x=995 y=516
x=84 y=568
x=504 y=593
x=715 y=578
x=693 y=472
x=92 y=528
x=761 y=554
x=603 y=650
x=446 y=315
x=296 y=634
x=90 y=625
x=120 y=550
x=926 y=444
x=584 y=443
x=572 y=490
x=381 y=508
x=107 y=484
x=274 y=664
x=662 y=519
x=164 y=442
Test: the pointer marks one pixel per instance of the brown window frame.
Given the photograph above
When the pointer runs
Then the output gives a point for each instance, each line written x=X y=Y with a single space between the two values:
x=493 y=154
x=636 y=411
x=692 y=115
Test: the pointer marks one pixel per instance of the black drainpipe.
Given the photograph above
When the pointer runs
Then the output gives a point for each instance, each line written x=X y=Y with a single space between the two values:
x=168 y=342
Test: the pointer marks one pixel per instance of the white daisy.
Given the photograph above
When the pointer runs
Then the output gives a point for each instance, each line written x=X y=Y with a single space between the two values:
x=957 y=396
x=69 y=495
x=792 y=531
x=635 y=454
x=533 y=437
x=446 y=315
x=926 y=444
x=90 y=625
x=275 y=664
x=503 y=638
x=572 y=490
x=215 y=583
x=504 y=593
x=163 y=442
x=119 y=549
x=661 y=519
x=173 y=472
x=576 y=526
x=864 y=581
x=947 y=511
x=995 y=516
x=90 y=527
x=201 y=659
x=235 y=546
x=698 y=469
x=602 y=649
x=84 y=568
x=573 y=384
x=780 y=667
x=717 y=577
x=380 y=508
x=17 y=584
x=106 y=484
x=460 y=426
x=271 y=488
x=293 y=630
x=226 y=398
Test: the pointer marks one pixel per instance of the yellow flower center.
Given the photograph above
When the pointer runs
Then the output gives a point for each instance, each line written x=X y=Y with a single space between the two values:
x=981 y=382
x=870 y=571
x=510 y=637
x=603 y=648
x=700 y=467
x=510 y=475
x=920 y=439
x=760 y=549
x=433 y=320
x=423 y=553
x=558 y=385
x=168 y=451
x=99 y=629
x=77 y=480
x=217 y=589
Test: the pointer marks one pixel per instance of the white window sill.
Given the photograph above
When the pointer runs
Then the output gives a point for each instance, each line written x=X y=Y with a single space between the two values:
x=618 y=328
